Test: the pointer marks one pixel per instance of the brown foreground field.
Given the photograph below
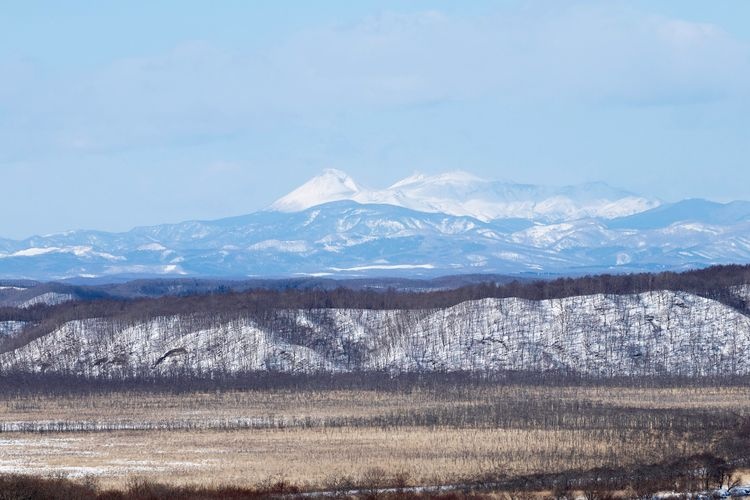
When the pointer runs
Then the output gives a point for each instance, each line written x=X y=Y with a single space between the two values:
x=335 y=439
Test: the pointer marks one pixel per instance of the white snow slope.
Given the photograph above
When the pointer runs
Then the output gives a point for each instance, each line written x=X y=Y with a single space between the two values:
x=463 y=194
x=650 y=333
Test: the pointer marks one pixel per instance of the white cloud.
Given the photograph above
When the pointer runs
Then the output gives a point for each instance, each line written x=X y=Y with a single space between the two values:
x=589 y=55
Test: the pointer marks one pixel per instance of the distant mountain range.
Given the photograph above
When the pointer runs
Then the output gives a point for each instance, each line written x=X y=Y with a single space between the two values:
x=461 y=193
x=452 y=223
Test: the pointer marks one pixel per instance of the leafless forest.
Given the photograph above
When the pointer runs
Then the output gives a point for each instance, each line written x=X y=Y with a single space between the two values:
x=486 y=433
x=138 y=301
x=514 y=435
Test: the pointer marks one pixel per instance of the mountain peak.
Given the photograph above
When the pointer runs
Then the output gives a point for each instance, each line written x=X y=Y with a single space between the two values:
x=329 y=185
x=461 y=193
x=334 y=173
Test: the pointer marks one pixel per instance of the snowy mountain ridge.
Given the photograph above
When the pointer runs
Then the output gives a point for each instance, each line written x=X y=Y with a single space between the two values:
x=463 y=194
x=375 y=233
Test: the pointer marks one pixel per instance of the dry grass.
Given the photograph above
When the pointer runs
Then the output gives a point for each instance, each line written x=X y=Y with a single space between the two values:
x=320 y=453
x=140 y=407
x=200 y=406
x=317 y=456
x=736 y=398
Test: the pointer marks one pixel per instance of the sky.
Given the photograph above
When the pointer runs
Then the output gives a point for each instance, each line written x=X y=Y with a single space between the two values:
x=119 y=114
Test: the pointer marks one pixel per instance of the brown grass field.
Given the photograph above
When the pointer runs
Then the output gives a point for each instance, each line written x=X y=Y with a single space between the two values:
x=322 y=439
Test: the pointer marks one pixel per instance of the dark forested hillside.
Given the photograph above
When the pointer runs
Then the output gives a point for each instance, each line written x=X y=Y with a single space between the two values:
x=108 y=301
x=665 y=323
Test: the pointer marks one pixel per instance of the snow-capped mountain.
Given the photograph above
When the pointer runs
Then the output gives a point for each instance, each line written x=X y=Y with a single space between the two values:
x=446 y=224
x=463 y=194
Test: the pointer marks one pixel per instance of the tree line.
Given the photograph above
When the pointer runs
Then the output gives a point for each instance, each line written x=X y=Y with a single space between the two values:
x=260 y=303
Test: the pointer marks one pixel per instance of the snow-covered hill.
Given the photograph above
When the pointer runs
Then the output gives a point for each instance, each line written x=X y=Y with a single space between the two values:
x=659 y=332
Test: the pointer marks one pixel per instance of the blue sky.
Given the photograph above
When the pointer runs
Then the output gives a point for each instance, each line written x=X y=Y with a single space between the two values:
x=117 y=114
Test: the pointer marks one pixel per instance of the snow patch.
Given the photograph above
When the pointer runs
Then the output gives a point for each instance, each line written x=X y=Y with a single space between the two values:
x=152 y=247
x=383 y=267
x=145 y=269
x=294 y=246
x=49 y=298
x=11 y=327
x=78 y=251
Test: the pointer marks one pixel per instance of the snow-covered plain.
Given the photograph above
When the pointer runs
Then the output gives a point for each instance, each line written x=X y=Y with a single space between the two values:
x=660 y=332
